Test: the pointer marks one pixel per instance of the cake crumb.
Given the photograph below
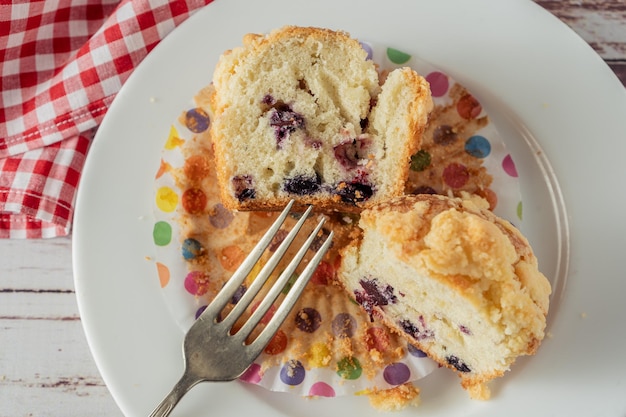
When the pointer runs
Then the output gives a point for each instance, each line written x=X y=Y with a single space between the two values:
x=395 y=399
x=479 y=392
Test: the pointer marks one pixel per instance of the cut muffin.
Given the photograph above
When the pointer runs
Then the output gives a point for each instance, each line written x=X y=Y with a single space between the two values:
x=458 y=282
x=300 y=114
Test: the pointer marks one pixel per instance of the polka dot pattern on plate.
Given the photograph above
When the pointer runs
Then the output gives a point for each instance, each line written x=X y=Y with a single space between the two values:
x=162 y=233
x=321 y=389
x=292 y=373
x=397 y=57
x=349 y=368
x=397 y=373
x=308 y=320
x=197 y=120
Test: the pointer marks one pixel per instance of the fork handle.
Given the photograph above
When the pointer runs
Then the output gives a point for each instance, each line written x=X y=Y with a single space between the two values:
x=184 y=384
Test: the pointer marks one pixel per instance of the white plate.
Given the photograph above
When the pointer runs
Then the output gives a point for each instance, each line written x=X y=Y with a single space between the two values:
x=548 y=93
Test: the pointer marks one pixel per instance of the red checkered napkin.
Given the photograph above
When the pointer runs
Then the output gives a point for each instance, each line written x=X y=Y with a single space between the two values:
x=61 y=64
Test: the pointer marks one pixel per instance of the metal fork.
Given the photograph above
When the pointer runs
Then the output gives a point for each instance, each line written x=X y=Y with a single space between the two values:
x=212 y=350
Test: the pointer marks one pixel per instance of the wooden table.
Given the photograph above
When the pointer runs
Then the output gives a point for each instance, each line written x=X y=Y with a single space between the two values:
x=46 y=368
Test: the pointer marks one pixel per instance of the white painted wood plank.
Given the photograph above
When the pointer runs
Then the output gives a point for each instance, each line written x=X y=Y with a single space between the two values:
x=601 y=23
x=38 y=305
x=46 y=369
x=40 y=264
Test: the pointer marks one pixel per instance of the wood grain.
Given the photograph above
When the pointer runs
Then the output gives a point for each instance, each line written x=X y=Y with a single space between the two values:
x=619 y=68
x=601 y=23
x=46 y=368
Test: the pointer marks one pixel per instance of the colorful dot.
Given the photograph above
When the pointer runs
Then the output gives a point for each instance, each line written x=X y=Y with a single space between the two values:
x=200 y=311
x=396 y=373
x=456 y=175
x=255 y=272
x=162 y=233
x=308 y=320
x=220 y=217
x=238 y=294
x=324 y=274
x=231 y=257
x=268 y=316
x=439 y=83
x=277 y=344
x=420 y=161
x=377 y=338
x=292 y=373
x=344 y=325
x=252 y=374
x=519 y=210
x=292 y=280
x=349 y=368
x=319 y=355
x=197 y=283
x=279 y=237
x=164 y=274
x=491 y=197
x=321 y=389
x=173 y=139
x=478 y=146
x=191 y=248
x=194 y=200
x=197 y=120
x=163 y=168
x=468 y=107
x=166 y=199
x=368 y=49
x=196 y=168
x=397 y=57
x=509 y=166
x=415 y=351
x=445 y=135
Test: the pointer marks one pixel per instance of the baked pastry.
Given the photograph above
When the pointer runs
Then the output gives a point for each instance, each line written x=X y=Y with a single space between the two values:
x=300 y=114
x=458 y=282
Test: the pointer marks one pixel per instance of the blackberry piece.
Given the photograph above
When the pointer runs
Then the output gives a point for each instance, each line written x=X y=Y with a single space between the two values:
x=303 y=185
x=374 y=294
x=285 y=121
x=350 y=153
x=418 y=332
x=353 y=192
x=457 y=363
x=268 y=99
x=244 y=187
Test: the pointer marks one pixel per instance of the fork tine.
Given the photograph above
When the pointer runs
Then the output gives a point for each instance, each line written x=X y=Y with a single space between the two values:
x=290 y=300
x=265 y=273
x=233 y=284
x=291 y=297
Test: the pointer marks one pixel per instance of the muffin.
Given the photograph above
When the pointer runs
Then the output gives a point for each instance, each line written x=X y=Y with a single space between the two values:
x=301 y=114
x=455 y=280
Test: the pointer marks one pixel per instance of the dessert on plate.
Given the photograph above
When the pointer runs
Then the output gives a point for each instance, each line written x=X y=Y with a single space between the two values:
x=305 y=113
x=457 y=281
x=301 y=114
